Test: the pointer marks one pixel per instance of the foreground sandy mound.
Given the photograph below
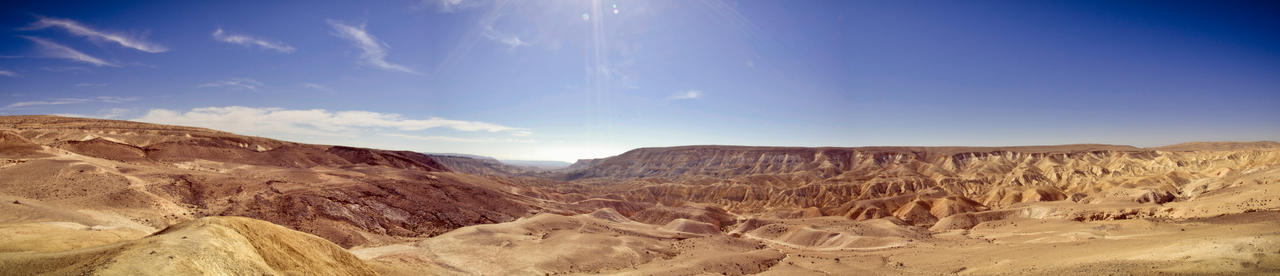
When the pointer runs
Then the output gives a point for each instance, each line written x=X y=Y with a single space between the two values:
x=582 y=244
x=207 y=246
x=832 y=233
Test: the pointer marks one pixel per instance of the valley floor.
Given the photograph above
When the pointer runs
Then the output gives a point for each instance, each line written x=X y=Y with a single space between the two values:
x=1247 y=243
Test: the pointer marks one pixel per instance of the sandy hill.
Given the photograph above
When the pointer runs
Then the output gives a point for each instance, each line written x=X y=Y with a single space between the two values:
x=207 y=246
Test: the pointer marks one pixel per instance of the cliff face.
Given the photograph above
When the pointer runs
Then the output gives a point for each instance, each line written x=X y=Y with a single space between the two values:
x=879 y=181
x=472 y=165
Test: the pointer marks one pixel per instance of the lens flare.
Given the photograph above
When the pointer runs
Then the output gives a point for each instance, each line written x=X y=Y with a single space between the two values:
x=586 y=16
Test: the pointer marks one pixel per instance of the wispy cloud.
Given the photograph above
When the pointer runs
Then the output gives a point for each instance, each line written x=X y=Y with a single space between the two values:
x=62 y=101
x=51 y=49
x=312 y=122
x=111 y=113
x=512 y=41
x=65 y=69
x=437 y=138
x=8 y=73
x=373 y=51
x=114 y=113
x=76 y=28
x=235 y=83
x=92 y=84
x=114 y=99
x=490 y=32
x=58 y=101
x=249 y=41
x=450 y=6
x=317 y=87
x=687 y=95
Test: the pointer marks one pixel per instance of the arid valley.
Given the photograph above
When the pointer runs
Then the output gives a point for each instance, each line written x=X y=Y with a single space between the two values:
x=639 y=137
x=88 y=196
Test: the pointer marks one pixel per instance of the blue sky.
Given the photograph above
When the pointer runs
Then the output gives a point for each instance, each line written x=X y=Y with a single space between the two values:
x=562 y=80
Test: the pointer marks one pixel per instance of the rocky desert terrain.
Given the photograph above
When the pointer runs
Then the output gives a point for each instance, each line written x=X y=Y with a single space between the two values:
x=86 y=196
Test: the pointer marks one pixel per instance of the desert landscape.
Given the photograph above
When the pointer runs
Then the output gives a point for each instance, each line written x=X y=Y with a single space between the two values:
x=654 y=137
x=91 y=196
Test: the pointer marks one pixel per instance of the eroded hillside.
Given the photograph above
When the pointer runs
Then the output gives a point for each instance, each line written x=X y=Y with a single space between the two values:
x=919 y=184
x=147 y=176
x=83 y=196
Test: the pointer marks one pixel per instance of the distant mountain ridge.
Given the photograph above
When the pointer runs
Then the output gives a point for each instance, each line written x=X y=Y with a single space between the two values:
x=546 y=164
x=484 y=165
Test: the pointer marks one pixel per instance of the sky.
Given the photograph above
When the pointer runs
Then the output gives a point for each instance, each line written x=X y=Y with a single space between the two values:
x=564 y=80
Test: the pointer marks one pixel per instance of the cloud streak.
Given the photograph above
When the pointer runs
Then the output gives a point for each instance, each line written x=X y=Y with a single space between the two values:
x=88 y=32
x=312 y=122
x=62 y=101
x=235 y=83
x=249 y=41
x=510 y=40
x=687 y=95
x=437 y=138
x=8 y=73
x=112 y=113
x=51 y=49
x=317 y=87
x=450 y=6
x=373 y=51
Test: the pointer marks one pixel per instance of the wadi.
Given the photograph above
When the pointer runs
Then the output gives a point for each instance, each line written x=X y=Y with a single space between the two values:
x=107 y=197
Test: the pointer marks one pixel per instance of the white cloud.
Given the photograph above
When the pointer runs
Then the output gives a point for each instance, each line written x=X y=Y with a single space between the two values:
x=8 y=73
x=92 y=84
x=236 y=83
x=51 y=49
x=281 y=122
x=246 y=40
x=687 y=95
x=373 y=52
x=81 y=30
x=62 y=101
x=317 y=87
